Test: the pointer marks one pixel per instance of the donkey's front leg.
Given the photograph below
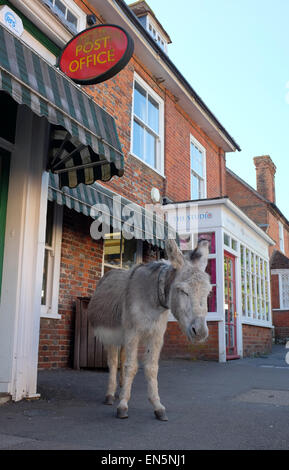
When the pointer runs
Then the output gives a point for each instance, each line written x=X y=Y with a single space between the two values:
x=130 y=369
x=151 y=367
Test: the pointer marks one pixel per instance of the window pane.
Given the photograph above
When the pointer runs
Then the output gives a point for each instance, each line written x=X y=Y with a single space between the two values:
x=44 y=280
x=71 y=18
x=226 y=239
x=150 y=156
x=49 y=224
x=196 y=160
x=195 y=187
x=210 y=236
x=140 y=102
x=138 y=140
x=60 y=7
x=211 y=270
x=112 y=251
x=129 y=253
x=153 y=114
x=212 y=300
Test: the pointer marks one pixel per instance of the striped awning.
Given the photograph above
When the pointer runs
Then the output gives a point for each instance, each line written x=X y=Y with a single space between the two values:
x=84 y=141
x=116 y=211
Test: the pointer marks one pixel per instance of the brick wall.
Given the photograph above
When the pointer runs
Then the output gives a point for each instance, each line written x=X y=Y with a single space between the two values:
x=176 y=344
x=81 y=256
x=256 y=340
x=81 y=261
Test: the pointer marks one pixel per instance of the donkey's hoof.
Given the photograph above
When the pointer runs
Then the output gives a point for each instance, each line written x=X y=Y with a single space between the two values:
x=161 y=415
x=122 y=413
x=109 y=400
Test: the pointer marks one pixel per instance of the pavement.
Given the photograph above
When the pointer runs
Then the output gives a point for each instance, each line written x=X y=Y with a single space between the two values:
x=238 y=405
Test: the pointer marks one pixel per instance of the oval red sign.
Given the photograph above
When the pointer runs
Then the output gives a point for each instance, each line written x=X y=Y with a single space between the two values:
x=96 y=54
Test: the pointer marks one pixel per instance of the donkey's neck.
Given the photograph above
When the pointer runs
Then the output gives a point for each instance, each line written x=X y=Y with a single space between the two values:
x=166 y=277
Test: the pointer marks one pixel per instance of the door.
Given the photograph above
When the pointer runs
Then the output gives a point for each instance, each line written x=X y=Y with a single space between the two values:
x=4 y=180
x=230 y=306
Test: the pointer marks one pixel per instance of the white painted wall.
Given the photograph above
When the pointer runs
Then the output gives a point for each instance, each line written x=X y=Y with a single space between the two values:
x=23 y=257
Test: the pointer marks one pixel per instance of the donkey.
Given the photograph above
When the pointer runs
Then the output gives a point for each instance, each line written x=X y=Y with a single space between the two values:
x=132 y=305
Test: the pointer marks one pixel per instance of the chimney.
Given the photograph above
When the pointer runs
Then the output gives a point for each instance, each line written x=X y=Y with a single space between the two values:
x=265 y=176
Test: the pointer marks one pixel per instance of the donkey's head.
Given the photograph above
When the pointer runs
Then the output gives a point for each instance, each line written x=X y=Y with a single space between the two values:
x=190 y=289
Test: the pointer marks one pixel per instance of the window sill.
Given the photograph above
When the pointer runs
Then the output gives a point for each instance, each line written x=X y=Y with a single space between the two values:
x=281 y=309
x=49 y=315
x=160 y=173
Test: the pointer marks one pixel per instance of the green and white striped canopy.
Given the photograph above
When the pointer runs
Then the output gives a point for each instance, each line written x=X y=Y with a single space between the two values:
x=84 y=141
x=96 y=200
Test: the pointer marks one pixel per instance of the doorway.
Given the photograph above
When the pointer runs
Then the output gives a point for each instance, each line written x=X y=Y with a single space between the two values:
x=230 y=306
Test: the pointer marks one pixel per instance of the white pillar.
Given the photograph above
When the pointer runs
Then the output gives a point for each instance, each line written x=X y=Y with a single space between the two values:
x=23 y=257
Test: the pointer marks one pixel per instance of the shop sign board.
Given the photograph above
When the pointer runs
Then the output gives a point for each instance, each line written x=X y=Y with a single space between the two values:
x=96 y=54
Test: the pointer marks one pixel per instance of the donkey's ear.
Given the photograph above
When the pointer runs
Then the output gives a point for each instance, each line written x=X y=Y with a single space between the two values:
x=175 y=255
x=199 y=256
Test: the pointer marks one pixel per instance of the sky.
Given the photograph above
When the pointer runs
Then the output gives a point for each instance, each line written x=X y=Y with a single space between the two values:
x=235 y=55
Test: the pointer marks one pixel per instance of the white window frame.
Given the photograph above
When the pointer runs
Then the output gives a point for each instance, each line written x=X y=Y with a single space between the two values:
x=152 y=24
x=202 y=149
x=281 y=237
x=74 y=9
x=50 y=309
x=280 y=273
x=160 y=143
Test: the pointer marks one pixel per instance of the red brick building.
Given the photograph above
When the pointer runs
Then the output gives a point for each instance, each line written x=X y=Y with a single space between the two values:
x=148 y=126
x=260 y=206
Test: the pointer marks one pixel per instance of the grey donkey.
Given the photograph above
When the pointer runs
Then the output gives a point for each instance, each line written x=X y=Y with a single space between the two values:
x=129 y=306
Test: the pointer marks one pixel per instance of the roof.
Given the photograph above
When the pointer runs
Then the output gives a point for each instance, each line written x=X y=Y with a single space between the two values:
x=270 y=204
x=279 y=261
x=141 y=8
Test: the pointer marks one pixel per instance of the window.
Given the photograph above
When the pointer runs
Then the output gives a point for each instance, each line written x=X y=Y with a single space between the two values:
x=51 y=271
x=284 y=290
x=281 y=237
x=120 y=253
x=198 y=170
x=148 y=125
x=157 y=37
x=66 y=13
x=255 y=286
x=230 y=242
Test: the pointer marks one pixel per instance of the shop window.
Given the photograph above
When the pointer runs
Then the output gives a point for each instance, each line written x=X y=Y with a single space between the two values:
x=120 y=253
x=148 y=125
x=198 y=170
x=254 y=286
x=51 y=271
x=8 y=119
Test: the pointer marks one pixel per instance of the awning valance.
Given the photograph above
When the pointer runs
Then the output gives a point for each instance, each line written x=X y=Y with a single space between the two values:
x=123 y=215
x=89 y=148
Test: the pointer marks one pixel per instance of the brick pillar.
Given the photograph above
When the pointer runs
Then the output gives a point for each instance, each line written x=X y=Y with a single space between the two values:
x=265 y=175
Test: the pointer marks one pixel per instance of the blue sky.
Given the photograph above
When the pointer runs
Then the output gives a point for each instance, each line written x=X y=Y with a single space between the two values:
x=235 y=54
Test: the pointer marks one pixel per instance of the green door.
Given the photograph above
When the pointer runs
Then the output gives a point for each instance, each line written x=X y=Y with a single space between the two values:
x=4 y=181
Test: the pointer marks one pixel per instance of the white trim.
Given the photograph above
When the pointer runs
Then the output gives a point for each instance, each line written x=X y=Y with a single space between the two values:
x=160 y=145
x=202 y=149
x=47 y=22
x=51 y=310
x=281 y=237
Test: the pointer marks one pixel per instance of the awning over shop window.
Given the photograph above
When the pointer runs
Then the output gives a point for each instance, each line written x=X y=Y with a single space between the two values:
x=84 y=141
x=146 y=224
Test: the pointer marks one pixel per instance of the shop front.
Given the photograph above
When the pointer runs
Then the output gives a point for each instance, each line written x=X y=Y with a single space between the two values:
x=239 y=306
x=48 y=125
